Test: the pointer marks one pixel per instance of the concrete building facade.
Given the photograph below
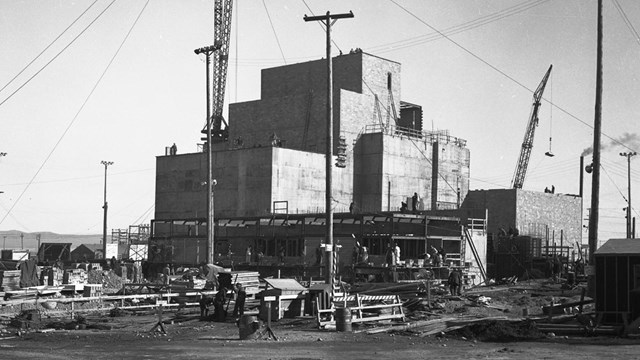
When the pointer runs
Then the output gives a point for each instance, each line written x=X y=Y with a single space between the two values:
x=274 y=159
x=535 y=214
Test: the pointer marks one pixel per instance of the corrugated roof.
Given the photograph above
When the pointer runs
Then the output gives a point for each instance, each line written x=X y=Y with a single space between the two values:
x=285 y=284
x=620 y=247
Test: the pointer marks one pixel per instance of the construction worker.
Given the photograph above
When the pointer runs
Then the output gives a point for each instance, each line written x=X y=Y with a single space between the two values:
x=219 y=313
x=210 y=274
x=454 y=282
x=241 y=296
x=355 y=255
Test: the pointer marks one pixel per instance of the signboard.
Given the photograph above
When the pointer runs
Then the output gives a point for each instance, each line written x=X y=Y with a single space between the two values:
x=112 y=251
x=269 y=298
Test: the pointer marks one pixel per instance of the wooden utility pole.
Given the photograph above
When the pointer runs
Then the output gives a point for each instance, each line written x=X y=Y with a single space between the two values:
x=328 y=20
x=105 y=207
x=628 y=156
x=595 y=182
x=207 y=51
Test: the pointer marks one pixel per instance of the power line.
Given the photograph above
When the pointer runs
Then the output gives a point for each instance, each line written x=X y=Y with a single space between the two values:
x=144 y=214
x=477 y=57
x=459 y=28
x=414 y=40
x=274 y=32
x=79 y=178
x=319 y=24
x=79 y=110
x=48 y=46
x=58 y=54
x=614 y=184
x=627 y=22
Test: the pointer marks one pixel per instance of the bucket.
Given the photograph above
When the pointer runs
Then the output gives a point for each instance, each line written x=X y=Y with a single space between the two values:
x=343 y=319
x=248 y=326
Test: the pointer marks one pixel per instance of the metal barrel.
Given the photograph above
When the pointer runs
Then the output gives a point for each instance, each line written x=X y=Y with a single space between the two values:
x=343 y=319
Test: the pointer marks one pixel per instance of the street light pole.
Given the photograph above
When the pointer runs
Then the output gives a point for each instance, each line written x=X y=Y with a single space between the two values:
x=208 y=51
x=105 y=207
x=628 y=156
x=328 y=20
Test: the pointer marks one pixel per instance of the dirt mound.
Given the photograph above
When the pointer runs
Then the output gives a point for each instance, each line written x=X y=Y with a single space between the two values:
x=500 y=331
x=109 y=280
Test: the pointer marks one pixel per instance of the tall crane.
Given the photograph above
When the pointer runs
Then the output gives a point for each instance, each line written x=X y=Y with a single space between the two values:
x=527 y=144
x=221 y=33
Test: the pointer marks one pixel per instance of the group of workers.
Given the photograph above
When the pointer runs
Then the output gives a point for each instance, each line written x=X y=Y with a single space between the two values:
x=210 y=273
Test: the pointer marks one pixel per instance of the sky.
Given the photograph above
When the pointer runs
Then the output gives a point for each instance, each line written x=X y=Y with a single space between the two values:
x=471 y=65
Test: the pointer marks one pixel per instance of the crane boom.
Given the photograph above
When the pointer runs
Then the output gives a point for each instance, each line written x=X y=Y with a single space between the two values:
x=527 y=144
x=222 y=32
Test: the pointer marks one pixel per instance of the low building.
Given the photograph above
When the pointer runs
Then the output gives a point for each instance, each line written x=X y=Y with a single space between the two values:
x=618 y=281
x=525 y=228
x=87 y=252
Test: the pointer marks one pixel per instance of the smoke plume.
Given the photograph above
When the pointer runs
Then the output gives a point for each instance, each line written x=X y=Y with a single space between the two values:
x=627 y=139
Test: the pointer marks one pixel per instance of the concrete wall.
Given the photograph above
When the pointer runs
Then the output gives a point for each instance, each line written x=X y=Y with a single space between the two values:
x=293 y=98
x=528 y=211
x=536 y=210
x=243 y=184
x=251 y=173
x=501 y=204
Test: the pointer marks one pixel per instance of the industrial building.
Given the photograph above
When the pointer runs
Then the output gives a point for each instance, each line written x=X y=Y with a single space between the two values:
x=526 y=228
x=270 y=167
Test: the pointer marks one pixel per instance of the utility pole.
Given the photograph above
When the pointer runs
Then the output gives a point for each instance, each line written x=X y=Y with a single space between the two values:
x=2 y=154
x=595 y=182
x=628 y=156
x=208 y=51
x=328 y=20
x=105 y=207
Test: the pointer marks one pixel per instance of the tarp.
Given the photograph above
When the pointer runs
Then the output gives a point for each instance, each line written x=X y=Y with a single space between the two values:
x=29 y=273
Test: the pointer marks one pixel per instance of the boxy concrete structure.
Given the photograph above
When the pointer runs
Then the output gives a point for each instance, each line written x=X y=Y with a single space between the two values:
x=532 y=213
x=270 y=174
x=274 y=159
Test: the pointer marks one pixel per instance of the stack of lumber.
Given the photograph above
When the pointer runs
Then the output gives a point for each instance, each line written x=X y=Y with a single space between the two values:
x=250 y=280
x=9 y=280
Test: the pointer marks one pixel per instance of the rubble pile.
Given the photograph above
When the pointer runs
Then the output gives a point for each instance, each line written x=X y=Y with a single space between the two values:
x=110 y=281
x=500 y=331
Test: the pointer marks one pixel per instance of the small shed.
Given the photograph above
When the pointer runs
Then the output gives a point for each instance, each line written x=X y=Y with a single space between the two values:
x=617 y=275
x=86 y=251
x=54 y=251
x=289 y=298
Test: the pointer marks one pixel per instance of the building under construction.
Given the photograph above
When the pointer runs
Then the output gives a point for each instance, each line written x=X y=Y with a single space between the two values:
x=392 y=181
x=270 y=171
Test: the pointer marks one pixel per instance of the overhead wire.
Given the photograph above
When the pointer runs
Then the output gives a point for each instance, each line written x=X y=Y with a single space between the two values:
x=321 y=26
x=514 y=80
x=459 y=28
x=626 y=21
x=274 y=31
x=95 y=86
x=58 y=54
x=144 y=214
x=412 y=141
x=614 y=183
x=414 y=41
x=48 y=46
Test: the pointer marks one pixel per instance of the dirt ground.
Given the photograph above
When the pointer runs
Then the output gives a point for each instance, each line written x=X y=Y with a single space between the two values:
x=128 y=336
x=297 y=339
